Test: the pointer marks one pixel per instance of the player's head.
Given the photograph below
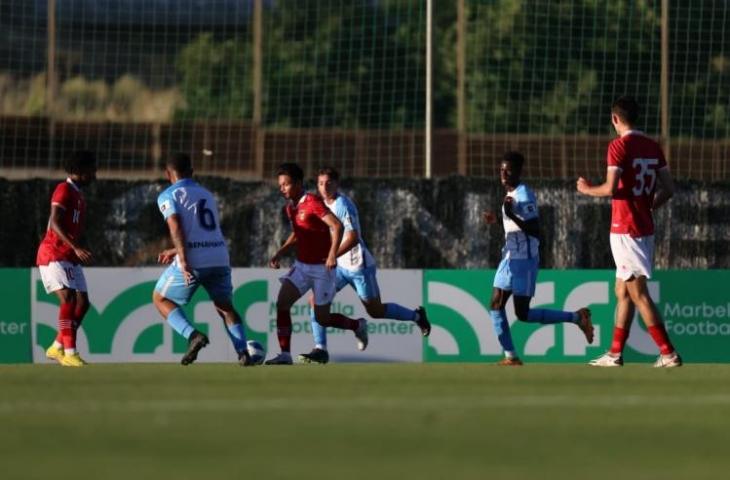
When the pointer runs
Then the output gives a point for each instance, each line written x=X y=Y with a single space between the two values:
x=291 y=180
x=510 y=169
x=178 y=165
x=81 y=166
x=624 y=113
x=328 y=181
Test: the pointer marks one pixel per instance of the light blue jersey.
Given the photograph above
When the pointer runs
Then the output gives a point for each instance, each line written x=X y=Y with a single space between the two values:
x=519 y=245
x=198 y=214
x=359 y=257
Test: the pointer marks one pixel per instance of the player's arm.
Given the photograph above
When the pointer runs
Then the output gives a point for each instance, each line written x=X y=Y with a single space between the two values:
x=531 y=227
x=349 y=239
x=666 y=188
x=606 y=189
x=178 y=240
x=288 y=245
x=57 y=213
x=335 y=227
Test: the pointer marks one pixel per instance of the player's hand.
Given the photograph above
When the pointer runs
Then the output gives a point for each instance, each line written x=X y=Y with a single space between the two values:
x=188 y=274
x=83 y=255
x=507 y=205
x=582 y=185
x=331 y=262
x=274 y=262
x=489 y=217
x=165 y=257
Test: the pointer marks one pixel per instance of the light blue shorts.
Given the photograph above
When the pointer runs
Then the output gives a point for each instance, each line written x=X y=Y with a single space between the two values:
x=517 y=276
x=215 y=280
x=363 y=281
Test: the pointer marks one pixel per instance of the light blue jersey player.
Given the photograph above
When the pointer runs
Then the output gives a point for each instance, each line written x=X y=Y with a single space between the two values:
x=355 y=267
x=199 y=257
x=517 y=271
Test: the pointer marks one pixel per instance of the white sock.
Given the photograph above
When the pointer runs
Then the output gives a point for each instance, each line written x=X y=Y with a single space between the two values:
x=320 y=347
x=70 y=351
x=509 y=354
x=57 y=344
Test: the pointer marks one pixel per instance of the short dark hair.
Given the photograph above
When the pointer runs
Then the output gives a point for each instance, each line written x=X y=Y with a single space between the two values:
x=330 y=172
x=180 y=162
x=516 y=159
x=626 y=108
x=291 y=169
x=78 y=161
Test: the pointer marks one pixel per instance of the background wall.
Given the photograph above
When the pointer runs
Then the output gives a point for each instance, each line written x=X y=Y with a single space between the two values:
x=407 y=223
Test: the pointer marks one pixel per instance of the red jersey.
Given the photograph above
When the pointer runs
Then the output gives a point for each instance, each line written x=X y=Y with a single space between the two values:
x=52 y=249
x=638 y=158
x=313 y=235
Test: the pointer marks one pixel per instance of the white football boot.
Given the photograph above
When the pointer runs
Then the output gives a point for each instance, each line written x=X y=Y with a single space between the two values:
x=607 y=360
x=668 y=361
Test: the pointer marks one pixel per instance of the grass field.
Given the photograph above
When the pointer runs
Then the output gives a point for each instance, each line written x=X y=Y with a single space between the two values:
x=420 y=421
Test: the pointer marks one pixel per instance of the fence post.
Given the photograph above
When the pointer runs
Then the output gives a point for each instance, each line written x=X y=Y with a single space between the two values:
x=664 y=82
x=461 y=86
x=429 y=73
x=258 y=132
x=51 y=79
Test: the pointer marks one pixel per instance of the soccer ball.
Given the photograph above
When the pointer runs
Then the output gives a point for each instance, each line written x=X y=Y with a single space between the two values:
x=257 y=352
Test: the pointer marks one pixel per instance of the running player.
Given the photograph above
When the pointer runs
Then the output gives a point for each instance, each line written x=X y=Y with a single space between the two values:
x=316 y=233
x=517 y=272
x=199 y=257
x=635 y=164
x=355 y=267
x=60 y=256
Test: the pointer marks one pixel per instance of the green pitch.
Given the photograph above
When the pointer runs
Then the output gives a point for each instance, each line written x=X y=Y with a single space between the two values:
x=421 y=421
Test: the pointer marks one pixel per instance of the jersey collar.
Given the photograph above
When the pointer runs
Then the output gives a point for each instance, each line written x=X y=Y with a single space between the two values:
x=183 y=182
x=73 y=184
x=632 y=132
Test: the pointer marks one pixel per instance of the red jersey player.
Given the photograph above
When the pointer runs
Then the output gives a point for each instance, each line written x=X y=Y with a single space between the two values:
x=636 y=165
x=316 y=234
x=60 y=256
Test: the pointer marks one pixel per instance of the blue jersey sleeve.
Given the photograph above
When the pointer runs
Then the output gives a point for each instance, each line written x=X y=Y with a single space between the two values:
x=166 y=204
x=526 y=204
x=347 y=214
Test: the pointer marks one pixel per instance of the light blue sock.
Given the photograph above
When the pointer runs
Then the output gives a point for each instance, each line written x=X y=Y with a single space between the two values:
x=318 y=332
x=238 y=336
x=397 y=312
x=545 y=316
x=501 y=328
x=176 y=319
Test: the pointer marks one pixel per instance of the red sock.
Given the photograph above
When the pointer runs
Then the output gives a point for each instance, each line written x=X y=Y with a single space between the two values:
x=340 y=321
x=283 y=329
x=620 y=335
x=65 y=325
x=659 y=334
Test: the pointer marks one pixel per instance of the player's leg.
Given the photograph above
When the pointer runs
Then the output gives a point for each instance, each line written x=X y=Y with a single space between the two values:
x=292 y=287
x=365 y=283
x=621 y=328
x=170 y=293
x=64 y=279
x=501 y=291
x=319 y=353
x=217 y=282
x=324 y=289
x=524 y=281
x=639 y=292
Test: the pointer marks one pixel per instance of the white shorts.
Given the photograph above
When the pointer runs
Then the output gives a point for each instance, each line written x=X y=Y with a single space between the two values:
x=315 y=276
x=58 y=275
x=634 y=256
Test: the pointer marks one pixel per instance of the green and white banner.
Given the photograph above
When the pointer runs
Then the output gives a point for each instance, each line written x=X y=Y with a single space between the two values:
x=123 y=325
x=694 y=304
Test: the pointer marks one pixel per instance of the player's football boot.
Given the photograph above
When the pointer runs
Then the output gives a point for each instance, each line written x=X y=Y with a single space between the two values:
x=73 y=360
x=317 y=355
x=362 y=335
x=585 y=324
x=668 y=361
x=607 y=360
x=284 y=358
x=245 y=360
x=510 y=362
x=53 y=353
x=423 y=322
x=196 y=342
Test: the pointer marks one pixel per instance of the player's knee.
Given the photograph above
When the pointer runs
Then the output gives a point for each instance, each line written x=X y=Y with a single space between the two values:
x=375 y=311
x=521 y=313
